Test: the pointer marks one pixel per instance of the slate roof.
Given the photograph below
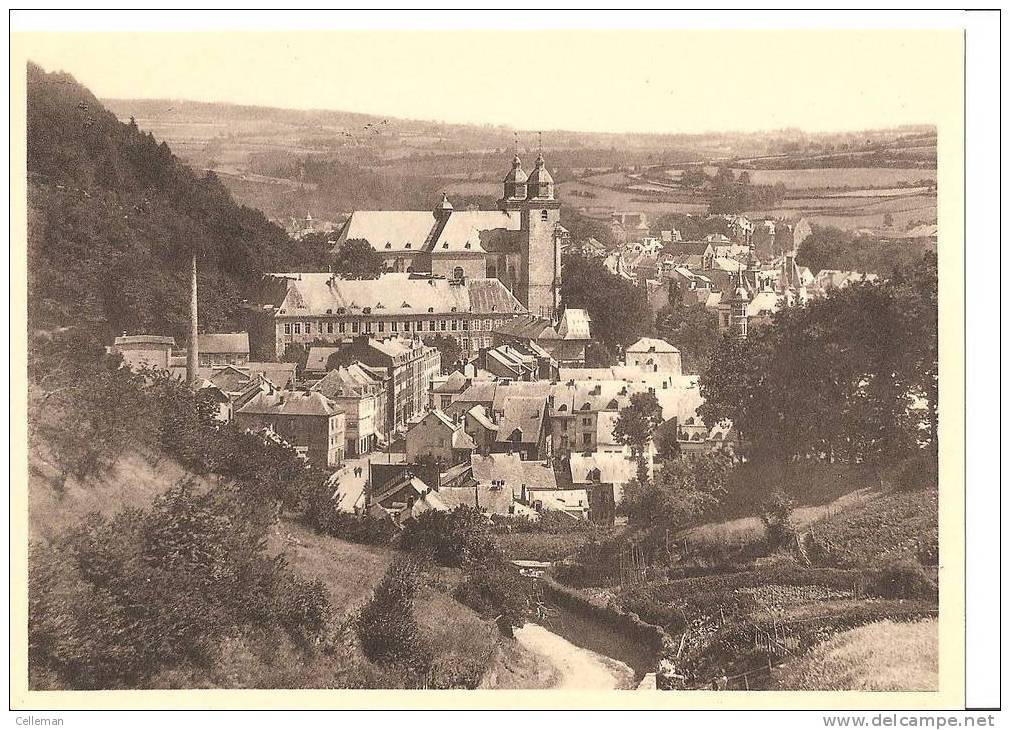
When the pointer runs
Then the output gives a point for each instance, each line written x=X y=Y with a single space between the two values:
x=291 y=403
x=651 y=344
x=228 y=343
x=407 y=231
x=514 y=471
x=317 y=358
x=455 y=383
x=346 y=382
x=322 y=294
x=525 y=415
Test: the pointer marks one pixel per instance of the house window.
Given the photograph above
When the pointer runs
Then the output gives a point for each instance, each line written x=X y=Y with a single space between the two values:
x=393 y=326
x=354 y=327
x=454 y=323
x=442 y=325
x=587 y=422
x=329 y=328
x=543 y=216
x=298 y=328
x=308 y=328
x=457 y=273
x=431 y=325
x=382 y=326
x=287 y=328
x=586 y=438
x=341 y=327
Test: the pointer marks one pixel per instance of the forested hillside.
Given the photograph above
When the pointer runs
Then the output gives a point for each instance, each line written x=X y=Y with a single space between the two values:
x=114 y=217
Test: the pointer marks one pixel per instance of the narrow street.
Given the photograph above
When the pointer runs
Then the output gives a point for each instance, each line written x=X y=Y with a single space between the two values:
x=579 y=668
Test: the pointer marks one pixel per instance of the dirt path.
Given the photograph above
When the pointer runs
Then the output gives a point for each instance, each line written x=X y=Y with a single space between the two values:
x=578 y=668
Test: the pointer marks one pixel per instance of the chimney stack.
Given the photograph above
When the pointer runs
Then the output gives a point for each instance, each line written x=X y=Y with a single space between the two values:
x=192 y=353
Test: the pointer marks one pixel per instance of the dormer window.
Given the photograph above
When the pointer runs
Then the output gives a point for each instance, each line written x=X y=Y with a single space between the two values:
x=409 y=244
x=388 y=244
x=466 y=245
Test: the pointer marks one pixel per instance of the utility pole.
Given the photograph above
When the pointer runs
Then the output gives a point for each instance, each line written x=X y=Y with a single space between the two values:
x=192 y=352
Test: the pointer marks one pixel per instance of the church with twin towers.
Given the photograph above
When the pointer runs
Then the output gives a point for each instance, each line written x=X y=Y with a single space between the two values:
x=518 y=243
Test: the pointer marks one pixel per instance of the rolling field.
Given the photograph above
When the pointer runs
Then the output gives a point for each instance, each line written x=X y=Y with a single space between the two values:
x=879 y=657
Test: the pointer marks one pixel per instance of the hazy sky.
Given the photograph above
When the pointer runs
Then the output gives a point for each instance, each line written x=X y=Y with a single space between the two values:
x=663 y=81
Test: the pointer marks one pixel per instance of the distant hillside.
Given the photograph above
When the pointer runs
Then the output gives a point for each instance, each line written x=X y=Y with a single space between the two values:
x=114 y=217
x=289 y=162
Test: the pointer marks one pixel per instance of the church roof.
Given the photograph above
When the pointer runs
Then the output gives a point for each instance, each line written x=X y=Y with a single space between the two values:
x=411 y=231
x=516 y=174
x=540 y=173
x=322 y=294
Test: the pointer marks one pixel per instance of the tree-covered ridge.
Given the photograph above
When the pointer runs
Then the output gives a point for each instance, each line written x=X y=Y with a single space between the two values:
x=114 y=217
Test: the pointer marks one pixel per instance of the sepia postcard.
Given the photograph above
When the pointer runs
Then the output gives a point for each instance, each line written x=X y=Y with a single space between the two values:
x=472 y=368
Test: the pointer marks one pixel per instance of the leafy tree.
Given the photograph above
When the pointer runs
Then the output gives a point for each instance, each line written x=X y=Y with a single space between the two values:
x=387 y=628
x=776 y=516
x=598 y=355
x=164 y=587
x=115 y=218
x=357 y=259
x=828 y=247
x=693 y=177
x=636 y=425
x=449 y=349
x=619 y=309
x=694 y=329
x=684 y=490
x=837 y=379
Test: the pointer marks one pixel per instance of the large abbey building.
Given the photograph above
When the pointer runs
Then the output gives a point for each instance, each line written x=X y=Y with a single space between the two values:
x=518 y=244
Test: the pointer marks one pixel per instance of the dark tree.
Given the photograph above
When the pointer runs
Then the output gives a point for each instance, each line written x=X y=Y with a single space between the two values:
x=636 y=425
x=356 y=258
x=619 y=310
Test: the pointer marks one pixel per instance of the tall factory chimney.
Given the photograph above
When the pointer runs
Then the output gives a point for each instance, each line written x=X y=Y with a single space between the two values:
x=192 y=352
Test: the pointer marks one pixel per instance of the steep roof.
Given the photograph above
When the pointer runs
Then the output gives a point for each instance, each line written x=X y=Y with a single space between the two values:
x=528 y=326
x=318 y=357
x=280 y=374
x=408 y=231
x=525 y=415
x=651 y=344
x=291 y=403
x=479 y=413
x=574 y=324
x=133 y=341
x=229 y=342
x=394 y=294
x=455 y=383
x=514 y=471
x=389 y=230
x=346 y=382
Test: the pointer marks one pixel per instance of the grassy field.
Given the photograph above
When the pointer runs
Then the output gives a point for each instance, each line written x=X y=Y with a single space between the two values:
x=134 y=481
x=878 y=657
x=891 y=527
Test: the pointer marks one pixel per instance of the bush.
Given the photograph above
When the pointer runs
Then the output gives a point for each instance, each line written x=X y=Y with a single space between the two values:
x=496 y=590
x=450 y=538
x=903 y=579
x=776 y=514
x=914 y=473
x=118 y=601
x=641 y=602
x=386 y=626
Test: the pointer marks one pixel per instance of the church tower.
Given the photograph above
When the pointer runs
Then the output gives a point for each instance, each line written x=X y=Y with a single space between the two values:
x=539 y=277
